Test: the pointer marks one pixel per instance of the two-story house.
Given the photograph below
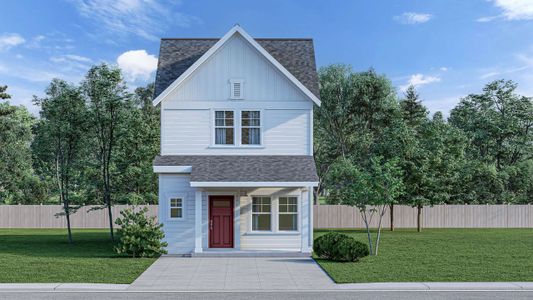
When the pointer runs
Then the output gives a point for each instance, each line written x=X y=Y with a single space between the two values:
x=236 y=170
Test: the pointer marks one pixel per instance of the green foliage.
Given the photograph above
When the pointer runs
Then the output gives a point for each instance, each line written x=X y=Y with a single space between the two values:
x=3 y=94
x=140 y=236
x=339 y=247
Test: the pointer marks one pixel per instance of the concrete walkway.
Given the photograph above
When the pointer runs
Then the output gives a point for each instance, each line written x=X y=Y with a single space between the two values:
x=233 y=274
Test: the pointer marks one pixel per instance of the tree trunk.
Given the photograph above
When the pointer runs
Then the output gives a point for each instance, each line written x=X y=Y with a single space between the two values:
x=363 y=214
x=67 y=215
x=110 y=215
x=379 y=228
x=419 y=218
x=392 y=217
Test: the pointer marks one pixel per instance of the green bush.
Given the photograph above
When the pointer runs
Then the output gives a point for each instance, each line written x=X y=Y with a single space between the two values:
x=140 y=236
x=339 y=247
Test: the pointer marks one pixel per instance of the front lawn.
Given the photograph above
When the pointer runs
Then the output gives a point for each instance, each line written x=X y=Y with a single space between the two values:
x=44 y=255
x=440 y=255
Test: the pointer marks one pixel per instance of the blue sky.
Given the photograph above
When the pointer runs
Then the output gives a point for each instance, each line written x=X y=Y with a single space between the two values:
x=447 y=48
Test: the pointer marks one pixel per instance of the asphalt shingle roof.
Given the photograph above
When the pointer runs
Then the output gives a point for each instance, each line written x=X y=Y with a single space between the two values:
x=177 y=55
x=244 y=168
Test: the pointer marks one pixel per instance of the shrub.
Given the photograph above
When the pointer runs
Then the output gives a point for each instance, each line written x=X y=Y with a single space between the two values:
x=339 y=247
x=140 y=236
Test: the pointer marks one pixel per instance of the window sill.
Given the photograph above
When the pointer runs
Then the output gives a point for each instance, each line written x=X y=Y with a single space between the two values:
x=236 y=147
x=259 y=233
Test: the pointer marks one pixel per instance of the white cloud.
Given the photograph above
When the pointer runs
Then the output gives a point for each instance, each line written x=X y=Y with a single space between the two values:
x=144 y=18
x=417 y=80
x=512 y=10
x=137 y=64
x=70 y=57
x=444 y=69
x=413 y=18
x=443 y=105
x=10 y=40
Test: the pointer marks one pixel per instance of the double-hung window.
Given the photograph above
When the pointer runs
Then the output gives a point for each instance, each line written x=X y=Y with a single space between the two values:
x=261 y=214
x=288 y=214
x=250 y=127
x=176 y=208
x=224 y=127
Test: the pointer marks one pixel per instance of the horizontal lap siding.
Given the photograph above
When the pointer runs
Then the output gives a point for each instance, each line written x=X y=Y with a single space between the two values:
x=179 y=234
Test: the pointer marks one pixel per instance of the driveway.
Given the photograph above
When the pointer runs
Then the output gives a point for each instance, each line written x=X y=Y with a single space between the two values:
x=233 y=274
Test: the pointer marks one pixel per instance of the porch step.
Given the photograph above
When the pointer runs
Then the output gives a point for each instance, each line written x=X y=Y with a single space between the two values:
x=212 y=253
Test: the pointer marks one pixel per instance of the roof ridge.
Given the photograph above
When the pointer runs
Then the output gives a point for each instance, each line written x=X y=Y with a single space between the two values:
x=263 y=39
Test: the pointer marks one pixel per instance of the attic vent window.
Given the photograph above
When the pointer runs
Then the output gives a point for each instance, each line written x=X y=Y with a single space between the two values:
x=236 y=87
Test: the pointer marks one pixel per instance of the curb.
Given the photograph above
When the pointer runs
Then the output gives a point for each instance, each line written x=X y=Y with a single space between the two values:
x=439 y=286
x=62 y=287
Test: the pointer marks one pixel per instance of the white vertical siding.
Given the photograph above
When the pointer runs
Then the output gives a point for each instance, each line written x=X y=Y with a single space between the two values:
x=237 y=59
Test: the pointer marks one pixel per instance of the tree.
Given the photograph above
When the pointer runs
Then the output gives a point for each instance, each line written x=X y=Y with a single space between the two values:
x=107 y=96
x=60 y=137
x=414 y=113
x=356 y=108
x=370 y=190
x=3 y=94
x=499 y=122
x=18 y=183
x=137 y=145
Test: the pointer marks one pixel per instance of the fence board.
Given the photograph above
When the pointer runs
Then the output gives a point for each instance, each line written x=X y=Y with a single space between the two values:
x=325 y=216
x=438 y=216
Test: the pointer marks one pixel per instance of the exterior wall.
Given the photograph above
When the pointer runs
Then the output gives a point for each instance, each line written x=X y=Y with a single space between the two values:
x=187 y=113
x=273 y=240
x=179 y=234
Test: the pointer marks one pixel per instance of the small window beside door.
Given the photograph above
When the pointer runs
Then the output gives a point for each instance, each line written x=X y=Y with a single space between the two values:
x=176 y=208
x=261 y=214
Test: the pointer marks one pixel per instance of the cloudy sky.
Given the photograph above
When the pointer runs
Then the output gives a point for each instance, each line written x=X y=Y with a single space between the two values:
x=447 y=48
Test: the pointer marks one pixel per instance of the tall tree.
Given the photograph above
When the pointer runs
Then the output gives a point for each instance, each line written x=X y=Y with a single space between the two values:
x=414 y=113
x=499 y=122
x=137 y=145
x=356 y=108
x=107 y=97
x=18 y=183
x=60 y=137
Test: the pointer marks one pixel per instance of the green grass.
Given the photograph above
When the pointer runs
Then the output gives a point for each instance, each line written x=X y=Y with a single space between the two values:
x=44 y=255
x=441 y=255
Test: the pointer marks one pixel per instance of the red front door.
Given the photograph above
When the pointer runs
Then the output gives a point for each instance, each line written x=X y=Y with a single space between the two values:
x=221 y=222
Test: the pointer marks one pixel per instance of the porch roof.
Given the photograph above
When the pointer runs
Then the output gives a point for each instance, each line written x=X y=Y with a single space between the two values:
x=241 y=170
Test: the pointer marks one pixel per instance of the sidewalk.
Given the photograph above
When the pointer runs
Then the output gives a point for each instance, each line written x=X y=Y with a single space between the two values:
x=381 y=286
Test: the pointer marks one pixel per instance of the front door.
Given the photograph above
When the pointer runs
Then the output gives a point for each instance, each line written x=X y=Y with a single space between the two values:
x=221 y=222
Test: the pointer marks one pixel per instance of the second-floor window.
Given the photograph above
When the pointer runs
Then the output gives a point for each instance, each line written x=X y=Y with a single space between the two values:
x=250 y=127
x=224 y=128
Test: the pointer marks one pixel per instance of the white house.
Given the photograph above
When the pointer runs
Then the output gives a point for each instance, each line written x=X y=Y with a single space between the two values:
x=236 y=170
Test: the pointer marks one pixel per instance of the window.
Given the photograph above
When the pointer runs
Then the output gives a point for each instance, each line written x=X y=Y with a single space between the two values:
x=224 y=128
x=261 y=217
x=250 y=127
x=288 y=213
x=236 y=88
x=176 y=208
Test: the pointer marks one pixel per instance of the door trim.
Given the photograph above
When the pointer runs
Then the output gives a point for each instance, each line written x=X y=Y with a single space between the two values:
x=231 y=199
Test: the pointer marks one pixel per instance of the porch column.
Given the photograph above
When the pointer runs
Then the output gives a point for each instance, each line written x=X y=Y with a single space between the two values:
x=198 y=222
x=304 y=225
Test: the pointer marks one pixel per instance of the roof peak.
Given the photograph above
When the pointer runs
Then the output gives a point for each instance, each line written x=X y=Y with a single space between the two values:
x=263 y=39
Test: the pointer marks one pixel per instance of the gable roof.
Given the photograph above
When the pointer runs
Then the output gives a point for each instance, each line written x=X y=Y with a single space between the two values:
x=178 y=58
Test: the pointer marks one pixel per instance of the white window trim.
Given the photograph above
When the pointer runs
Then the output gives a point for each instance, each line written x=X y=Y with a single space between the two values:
x=289 y=213
x=213 y=128
x=237 y=129
x=272 y=223
x=183 y=205
x=232 y=92
x=274 y=216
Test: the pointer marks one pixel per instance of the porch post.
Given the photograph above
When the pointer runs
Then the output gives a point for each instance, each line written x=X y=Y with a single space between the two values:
x=304 y=225
x=198 y=222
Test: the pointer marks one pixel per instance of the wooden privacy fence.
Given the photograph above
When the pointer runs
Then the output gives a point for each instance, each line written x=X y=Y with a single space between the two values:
x=438 y=216
x=44 y=216
x=325 y=216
